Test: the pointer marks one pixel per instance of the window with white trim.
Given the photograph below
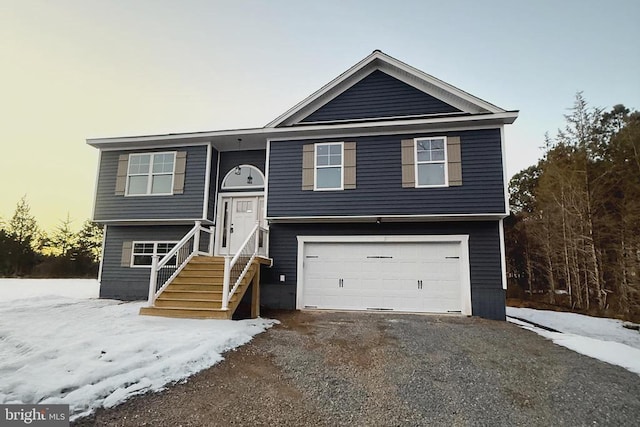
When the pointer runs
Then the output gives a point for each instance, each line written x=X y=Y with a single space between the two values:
x=242 y=177
x=142 y=253
x=431 y=162
x=328 y=166
x=150 y=174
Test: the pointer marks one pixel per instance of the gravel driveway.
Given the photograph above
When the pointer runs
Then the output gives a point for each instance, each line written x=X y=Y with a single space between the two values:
x=381 y=369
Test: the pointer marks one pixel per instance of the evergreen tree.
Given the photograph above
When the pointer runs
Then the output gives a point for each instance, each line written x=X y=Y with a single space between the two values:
x=576 y=223
x=63 y=239
x=89 y=240
x=23 y=225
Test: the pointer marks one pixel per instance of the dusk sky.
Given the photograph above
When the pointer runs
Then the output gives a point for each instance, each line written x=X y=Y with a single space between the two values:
x=75 y=69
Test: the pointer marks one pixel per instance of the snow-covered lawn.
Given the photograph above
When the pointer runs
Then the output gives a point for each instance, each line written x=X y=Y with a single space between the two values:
x=58 y=344
x=603 y=339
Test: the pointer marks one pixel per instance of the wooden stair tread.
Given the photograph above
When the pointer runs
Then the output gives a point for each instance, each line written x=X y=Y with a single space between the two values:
x=197 y=291
x=189 y=313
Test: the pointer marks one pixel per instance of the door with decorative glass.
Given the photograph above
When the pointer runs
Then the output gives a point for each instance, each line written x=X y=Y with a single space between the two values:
x=238 y=216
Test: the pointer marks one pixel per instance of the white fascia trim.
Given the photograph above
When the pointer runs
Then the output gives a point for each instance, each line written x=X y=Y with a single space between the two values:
x=462 y=239
x=104 y=241
x=266 y=181
x=355 y=218
x=388 y=64
x=207 y=182
x=344 y=136
x=503 y=255
x=505 y=180
x=441 y=85
x=95 y=189
x=176 y=140
x=151 y=143
x=149 y=221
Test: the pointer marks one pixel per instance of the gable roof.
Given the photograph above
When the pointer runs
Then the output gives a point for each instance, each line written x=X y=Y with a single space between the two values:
x=379 y=96
x=378 y=60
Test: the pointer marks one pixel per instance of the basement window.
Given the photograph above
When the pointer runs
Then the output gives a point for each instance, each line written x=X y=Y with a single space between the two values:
x=142 y=253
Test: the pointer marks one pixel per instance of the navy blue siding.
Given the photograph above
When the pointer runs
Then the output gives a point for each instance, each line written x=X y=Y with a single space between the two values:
x=487 y=295
x=379 y=95
x=131 y=283
x=379 y=188
x=109 y=206
x=231 y=159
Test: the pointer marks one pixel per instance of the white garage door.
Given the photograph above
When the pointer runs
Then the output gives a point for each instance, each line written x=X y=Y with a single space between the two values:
x=401 y=276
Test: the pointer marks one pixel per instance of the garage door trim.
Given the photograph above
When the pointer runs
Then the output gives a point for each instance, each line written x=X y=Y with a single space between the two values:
x=462 y=239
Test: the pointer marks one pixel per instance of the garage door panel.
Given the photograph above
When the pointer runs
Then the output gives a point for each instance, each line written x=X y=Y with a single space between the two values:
x=403 y=276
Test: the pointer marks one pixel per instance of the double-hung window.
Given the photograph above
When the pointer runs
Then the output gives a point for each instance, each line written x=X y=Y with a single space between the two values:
x=150 y=174
x=142 y=253
x=431 y=162
x=329 y=166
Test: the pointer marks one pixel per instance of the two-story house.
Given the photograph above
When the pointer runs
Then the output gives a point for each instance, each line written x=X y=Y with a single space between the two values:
x=383 y=190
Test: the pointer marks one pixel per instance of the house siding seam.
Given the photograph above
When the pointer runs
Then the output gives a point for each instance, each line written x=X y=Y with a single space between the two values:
x=379 y=95
x=128 y=283
x=380 y=189
x=485 y=262
x=110 y=207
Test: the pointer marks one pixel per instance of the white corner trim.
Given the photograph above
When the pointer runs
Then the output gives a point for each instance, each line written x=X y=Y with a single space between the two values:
x=462 y=239
x=214 y=215
x=505 y=180
x=95 y=188
x=207 y=183
x=266 y=181
x=503 y=254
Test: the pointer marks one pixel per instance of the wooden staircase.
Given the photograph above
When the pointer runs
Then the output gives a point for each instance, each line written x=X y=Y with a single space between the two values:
x=197 y=291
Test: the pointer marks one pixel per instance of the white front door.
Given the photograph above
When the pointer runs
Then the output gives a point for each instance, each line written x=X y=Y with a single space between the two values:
x=238 y=216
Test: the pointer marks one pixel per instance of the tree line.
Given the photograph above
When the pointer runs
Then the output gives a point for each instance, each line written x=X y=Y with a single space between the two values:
x=28 y=251
x=573 y=238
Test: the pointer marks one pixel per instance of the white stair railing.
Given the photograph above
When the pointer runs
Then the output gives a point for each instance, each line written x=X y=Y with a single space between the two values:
x=164 y=270
x=236 y=267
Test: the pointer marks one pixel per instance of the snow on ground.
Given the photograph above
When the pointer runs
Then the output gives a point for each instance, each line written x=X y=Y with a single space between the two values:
x=600 y=338
x=90 y=353
x=11 y=289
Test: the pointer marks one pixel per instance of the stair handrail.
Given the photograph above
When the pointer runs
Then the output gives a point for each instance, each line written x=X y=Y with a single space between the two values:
x=157 y=264
x=230 y=262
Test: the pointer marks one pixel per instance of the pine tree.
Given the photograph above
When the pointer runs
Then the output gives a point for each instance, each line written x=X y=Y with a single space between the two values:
x=64 y=239
x=23 y=225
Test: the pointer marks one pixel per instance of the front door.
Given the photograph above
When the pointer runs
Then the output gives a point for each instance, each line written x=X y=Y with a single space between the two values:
x=238 y=216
